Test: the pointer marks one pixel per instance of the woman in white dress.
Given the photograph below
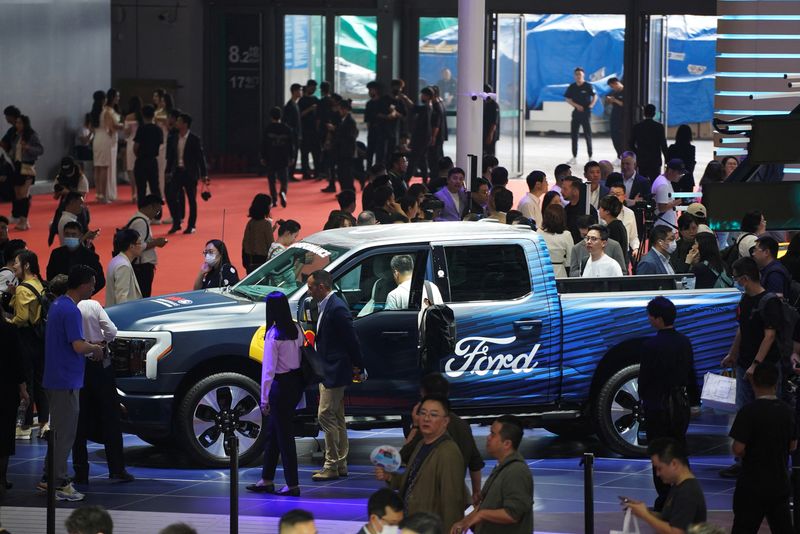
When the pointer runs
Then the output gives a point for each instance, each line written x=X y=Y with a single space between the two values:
x=107 y=124
x=132 y=121
x=558 y=239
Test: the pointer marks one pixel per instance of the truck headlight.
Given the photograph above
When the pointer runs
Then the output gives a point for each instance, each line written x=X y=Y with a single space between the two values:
x=137 y=353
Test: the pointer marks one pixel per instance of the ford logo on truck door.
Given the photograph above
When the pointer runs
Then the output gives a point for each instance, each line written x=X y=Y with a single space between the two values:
x=472 y=356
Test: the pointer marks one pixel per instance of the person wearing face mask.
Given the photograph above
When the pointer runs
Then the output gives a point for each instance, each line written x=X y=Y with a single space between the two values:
x=385 y=509
x=662 y=245
x=145 y=265
x=74 y=252
x=216 y=270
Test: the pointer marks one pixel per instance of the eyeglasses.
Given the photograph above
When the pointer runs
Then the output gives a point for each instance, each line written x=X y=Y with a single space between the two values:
x=208 y=251
x=426 y=413
x=591 y=238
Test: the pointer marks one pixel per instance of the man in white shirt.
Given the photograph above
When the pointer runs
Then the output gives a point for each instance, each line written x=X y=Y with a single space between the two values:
x=531 y=204
x=596 y=190
x=145 y=265
x=662 y=194
x=402 y=269
x=637 y=187
x=73 y=206
x=627 y=217
x=599 y=264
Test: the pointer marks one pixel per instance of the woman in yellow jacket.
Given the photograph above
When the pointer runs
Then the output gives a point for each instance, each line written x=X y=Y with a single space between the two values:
x=28 y=314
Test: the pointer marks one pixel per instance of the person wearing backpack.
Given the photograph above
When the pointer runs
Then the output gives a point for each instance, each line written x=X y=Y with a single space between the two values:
x=144 y=266
x=755 y=340
x=28 y=318
x=706 y=264
x=775 y=278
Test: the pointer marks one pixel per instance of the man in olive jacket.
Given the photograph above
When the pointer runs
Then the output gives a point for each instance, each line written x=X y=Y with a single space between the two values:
x=434 y=478
x=507 y=496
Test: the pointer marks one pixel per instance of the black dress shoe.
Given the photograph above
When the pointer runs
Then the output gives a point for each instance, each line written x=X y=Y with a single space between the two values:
x=261 y=488
x=288 y=492
x=328 y=189
x=123 y=476
x=189 y=230
x=174 y=229
x=283 y=199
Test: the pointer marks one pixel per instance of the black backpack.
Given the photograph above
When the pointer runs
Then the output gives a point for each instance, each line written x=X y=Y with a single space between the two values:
x=45 y=299
x=730 y=253
x=784 y=334
x=437 y=337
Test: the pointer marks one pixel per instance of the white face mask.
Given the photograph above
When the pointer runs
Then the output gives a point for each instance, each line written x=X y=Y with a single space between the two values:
x=211 y=259
x=671 y=246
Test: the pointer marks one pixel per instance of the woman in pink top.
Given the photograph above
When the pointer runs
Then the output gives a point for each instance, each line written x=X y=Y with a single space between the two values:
x=281 y=390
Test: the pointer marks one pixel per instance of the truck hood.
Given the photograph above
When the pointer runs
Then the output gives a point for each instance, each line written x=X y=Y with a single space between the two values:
x=179 y=311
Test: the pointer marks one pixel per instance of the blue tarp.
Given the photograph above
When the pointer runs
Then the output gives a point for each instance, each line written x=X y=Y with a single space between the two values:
x=556 y=44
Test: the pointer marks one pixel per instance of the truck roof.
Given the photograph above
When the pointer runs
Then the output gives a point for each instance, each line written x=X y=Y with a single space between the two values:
x=414 y=232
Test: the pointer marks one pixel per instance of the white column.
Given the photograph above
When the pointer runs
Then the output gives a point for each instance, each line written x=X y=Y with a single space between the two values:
x=469 y=128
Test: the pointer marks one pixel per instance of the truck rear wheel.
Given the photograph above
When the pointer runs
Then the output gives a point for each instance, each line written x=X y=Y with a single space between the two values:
x=618 y=413
x=211 y=404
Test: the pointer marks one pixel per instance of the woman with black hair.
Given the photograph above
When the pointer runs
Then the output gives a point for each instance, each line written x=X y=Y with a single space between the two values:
x=684 y=150
x=287 y=234
x=706 y=264
x=25 y=150
x=216 y=270
x=132 y=122
x=107 y=124
x=281 y=390
x=28 y=320
x=258 y=234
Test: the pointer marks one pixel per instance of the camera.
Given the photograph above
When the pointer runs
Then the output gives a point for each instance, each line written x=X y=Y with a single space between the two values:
x=645 y=211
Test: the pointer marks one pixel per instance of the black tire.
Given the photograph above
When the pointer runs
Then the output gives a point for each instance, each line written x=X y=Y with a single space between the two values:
x=618 y=414
x=580 y=428
x=203 y=411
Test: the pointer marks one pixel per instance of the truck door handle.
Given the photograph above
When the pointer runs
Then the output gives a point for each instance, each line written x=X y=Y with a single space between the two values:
x=396 y=335
x=528 y=328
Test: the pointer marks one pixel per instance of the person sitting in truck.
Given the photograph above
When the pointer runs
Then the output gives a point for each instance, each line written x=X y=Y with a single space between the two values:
x=662 y=244
x=599 y=264
x=402 y=269
x=580 y=255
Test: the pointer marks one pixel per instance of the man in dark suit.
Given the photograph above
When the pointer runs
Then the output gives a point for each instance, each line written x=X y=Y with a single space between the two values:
x=345 y=135
x=662 y=244
x=74 y=252
x=649 y=142
x=291 y=118
x=337 y=346
x=186 y=161
x=637 y=187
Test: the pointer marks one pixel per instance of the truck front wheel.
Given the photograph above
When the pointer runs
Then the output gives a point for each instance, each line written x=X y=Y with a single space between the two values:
x=618 y=413
x=218 y=401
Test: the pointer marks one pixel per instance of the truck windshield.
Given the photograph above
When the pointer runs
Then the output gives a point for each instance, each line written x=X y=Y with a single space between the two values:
x=287 y=271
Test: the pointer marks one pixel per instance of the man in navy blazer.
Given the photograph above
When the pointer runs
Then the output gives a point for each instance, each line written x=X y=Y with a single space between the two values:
x=454 y=190
x=637 y=187
x=662 y=244
x=338 y=348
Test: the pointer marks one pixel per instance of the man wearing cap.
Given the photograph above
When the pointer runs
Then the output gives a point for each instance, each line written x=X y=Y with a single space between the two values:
x=698 y=211
x=144 y=267
x=662 y=194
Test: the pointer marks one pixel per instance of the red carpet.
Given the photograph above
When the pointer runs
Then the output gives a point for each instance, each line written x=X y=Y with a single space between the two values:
x=224 y=216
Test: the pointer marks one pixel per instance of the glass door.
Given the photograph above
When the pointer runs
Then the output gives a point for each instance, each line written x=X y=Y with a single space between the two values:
x=657 y=57
x=509 y=71
x=303 y=50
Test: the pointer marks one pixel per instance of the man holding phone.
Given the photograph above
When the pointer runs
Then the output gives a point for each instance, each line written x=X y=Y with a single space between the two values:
x=685 y=504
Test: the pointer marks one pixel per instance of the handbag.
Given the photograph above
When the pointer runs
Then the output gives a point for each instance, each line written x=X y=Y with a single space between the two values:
x=719 y=392
x=630 y=525
x=27 y=169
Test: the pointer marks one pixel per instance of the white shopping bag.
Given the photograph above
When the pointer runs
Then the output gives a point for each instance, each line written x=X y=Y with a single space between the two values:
x=630 y=525
x=719 y=392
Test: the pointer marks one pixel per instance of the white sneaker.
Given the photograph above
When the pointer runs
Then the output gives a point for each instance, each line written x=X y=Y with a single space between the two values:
x=23 y=433
x=572 y=161
x=43 y=430
x=69 y=493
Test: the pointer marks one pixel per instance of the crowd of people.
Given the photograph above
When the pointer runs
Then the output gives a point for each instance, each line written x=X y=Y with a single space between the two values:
x=595 y=226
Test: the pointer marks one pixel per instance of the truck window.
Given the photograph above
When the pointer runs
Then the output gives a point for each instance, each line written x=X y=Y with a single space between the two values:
x=377 y=283
x=487 y=272
x=287 y=271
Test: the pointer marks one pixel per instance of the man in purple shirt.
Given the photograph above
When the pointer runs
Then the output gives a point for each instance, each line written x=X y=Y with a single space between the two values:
x=65 y=358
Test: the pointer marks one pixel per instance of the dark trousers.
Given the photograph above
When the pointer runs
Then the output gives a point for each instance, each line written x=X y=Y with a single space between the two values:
x=344 y=174
x=581 y=120
x=418 y=160
x=145 y=272
x=309 y=145
x=185 y=189
x=171 y=198
x=377 y=148
x=252 y=261
x=650 y=168
x=435 y=153
x=750 y=509
x=145 y=172
x=489 y=148
x=32 y=352
x=658 y=426
x=20 y=207
x=285 y=393
x=617 y=137
x=98 y=419
x=281 y=175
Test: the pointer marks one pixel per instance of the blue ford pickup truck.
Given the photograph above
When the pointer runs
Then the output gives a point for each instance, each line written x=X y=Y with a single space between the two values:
x=563 y=353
